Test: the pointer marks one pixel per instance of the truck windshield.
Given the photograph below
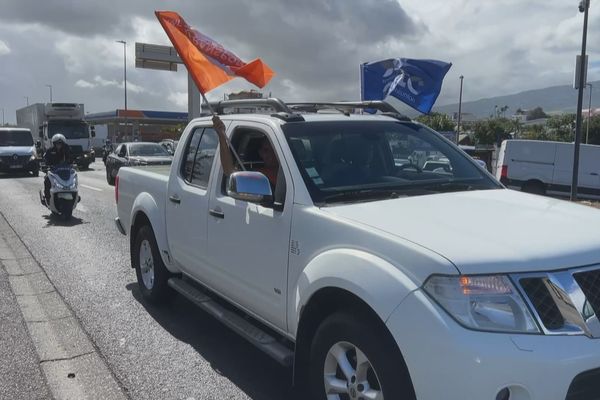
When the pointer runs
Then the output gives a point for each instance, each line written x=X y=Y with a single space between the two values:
x=15 y=138
x=147 y=149
x=71 y=130
x=346 y=161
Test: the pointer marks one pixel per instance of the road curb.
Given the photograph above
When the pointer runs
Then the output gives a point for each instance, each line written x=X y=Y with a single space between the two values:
x=73 y=367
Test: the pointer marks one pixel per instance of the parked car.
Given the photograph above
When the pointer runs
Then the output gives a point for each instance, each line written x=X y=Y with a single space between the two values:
x=363 y=270
x=135 y=154
x=544 y=167
x=170 y=145
x=17 y=151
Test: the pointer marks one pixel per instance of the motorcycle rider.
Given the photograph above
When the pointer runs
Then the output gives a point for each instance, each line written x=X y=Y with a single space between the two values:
x=59 y=153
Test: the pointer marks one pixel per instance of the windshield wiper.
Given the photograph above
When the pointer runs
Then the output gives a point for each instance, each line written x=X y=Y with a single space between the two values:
x=363 y=195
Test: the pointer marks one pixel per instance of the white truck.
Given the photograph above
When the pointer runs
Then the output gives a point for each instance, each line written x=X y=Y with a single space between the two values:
x=369 y=274
x=546 y=167
x=46 y=120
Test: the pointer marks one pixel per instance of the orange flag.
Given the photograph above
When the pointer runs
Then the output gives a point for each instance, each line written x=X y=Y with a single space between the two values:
x=209 y=63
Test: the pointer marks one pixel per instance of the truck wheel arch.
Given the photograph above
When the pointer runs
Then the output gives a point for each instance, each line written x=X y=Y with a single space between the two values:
x=146 y=211
x=331 y=283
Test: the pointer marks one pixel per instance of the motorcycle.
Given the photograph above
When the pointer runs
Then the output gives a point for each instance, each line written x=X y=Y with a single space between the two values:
x=64 y=191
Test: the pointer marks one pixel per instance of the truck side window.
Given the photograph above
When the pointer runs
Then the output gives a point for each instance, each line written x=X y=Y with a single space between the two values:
x=199 y=156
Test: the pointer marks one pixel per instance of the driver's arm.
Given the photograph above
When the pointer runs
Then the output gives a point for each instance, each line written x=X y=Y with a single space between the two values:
x=224 y=152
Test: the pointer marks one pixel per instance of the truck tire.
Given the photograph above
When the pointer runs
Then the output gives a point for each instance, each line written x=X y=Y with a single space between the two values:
x=152 y=275
x=534 y=187
x=341 y=340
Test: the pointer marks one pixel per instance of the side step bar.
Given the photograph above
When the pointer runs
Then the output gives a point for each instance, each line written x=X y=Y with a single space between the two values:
x=258 y=337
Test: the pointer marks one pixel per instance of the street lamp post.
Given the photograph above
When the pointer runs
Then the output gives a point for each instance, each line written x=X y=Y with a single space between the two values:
x=50 y=87
x=124 y=68
x=124 y=43
x=27 y=99
x=2 y=116
x=587 y=132
x=459 y=110
x=584 y=7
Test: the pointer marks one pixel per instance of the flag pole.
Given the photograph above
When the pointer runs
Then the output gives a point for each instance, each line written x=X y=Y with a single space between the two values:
x=235 y=154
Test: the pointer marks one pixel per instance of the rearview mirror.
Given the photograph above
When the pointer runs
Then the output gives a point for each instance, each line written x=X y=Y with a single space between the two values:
x=38 y=145
x=250 y=186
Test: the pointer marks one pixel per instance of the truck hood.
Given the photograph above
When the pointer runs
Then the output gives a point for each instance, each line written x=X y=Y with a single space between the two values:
x=18 y=150
x=488 y=231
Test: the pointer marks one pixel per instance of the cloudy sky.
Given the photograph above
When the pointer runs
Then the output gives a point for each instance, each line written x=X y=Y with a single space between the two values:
x=315 y=46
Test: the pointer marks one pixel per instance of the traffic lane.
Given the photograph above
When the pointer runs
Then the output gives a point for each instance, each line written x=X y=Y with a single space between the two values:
x=172 y=352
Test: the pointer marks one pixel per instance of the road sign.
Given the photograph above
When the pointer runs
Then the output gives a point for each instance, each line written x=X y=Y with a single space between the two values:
x=165 y=58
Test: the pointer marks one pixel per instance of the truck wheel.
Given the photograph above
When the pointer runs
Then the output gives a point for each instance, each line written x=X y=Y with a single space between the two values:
x=534 y=187
x=352 y=357
x=152 y=275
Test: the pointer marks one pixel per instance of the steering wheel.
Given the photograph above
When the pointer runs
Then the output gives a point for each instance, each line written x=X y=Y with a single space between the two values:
x=409 y=166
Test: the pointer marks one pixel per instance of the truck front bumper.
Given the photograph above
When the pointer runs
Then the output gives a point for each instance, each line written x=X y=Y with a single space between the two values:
x=447 y=361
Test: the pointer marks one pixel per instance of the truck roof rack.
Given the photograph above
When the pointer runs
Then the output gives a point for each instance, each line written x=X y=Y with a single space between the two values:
x=290 y=112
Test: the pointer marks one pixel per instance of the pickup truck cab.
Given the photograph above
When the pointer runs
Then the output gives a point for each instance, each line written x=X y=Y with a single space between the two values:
x=370 y=274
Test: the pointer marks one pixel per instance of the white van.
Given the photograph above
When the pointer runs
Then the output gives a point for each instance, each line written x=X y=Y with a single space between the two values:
x=17 y=151
x=544 y=167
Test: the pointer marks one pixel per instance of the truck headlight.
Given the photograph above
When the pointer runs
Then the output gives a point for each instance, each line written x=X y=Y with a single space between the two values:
x=482 y=302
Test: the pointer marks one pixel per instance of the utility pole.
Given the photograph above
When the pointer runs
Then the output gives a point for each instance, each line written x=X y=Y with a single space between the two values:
x=584 y=7
x=2 y=116
x=27 y=99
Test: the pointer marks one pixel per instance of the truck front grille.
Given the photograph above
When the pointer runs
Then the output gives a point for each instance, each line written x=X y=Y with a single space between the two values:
x=15 y=160
x=564 y=302
x=542 y=301
x=585 y=386
x=590 y=284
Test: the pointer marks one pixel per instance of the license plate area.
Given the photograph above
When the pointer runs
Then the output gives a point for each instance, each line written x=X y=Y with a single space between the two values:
x=65 y=196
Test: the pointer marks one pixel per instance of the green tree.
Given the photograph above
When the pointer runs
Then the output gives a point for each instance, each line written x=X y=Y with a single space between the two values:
x=560 y=128
x=594 y=135
x=536 y=113
x=492 y=131
x=437 y=121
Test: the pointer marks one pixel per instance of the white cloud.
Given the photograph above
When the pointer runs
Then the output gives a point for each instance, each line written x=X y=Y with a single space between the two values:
x=4 y=49
x=84 y=84
x=180 y=99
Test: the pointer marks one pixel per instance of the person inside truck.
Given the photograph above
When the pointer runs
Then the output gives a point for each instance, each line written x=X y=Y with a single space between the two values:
x=59 y=153
x=270 y=167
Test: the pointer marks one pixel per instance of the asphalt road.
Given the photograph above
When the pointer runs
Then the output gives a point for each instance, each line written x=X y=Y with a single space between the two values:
x=172 y=352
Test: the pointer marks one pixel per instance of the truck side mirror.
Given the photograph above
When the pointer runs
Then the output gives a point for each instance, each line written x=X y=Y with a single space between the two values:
x=93 y=130
x=38 y=145
x=250 y=186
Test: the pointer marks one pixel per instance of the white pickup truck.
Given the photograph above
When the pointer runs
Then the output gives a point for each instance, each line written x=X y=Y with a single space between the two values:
x=373 y=277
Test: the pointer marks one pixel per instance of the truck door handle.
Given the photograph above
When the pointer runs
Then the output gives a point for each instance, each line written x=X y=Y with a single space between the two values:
x=216 y=213
x=175 y=199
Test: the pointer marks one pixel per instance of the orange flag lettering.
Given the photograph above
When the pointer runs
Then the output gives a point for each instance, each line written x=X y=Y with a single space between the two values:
x=209 y=63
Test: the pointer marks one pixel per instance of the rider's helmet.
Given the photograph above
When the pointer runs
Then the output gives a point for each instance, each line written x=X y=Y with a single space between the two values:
x=59 y=138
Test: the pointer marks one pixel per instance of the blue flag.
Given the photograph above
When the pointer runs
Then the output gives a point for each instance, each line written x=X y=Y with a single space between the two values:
x=415 y=82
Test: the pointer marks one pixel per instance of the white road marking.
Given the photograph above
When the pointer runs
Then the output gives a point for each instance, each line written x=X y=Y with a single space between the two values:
x=82 y=208
x=91 y=187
